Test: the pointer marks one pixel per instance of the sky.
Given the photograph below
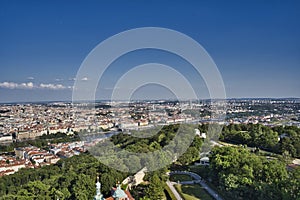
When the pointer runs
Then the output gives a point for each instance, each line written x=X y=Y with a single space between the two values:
x=254 y=44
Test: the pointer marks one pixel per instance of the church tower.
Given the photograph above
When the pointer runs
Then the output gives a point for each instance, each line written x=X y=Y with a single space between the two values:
x=98 y=195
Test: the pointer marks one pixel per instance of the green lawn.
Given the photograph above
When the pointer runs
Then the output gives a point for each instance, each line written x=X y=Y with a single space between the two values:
x=192 y=192
x=180 y=177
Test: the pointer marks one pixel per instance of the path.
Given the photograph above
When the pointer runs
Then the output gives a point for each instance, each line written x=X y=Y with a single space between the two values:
x=171 y=186
x=199 y=180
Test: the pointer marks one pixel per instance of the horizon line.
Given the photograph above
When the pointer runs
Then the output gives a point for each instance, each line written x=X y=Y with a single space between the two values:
x=136 y=100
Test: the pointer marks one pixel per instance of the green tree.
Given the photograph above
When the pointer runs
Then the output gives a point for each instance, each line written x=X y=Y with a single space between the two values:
x=191 y=155
x=156 y=188
x=242 y=174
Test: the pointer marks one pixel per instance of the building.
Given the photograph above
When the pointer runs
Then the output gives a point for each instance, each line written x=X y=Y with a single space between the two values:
x=98 y=195
x=199 y=134
x=204 y=161
x=117 y=193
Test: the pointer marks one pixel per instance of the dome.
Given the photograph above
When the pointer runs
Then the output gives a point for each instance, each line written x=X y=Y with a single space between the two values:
x=119 y=193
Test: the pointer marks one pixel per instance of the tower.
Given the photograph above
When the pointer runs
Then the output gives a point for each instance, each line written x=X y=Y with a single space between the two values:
x=98 y=195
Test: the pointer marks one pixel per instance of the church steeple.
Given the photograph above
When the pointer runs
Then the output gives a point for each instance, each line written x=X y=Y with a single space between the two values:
x=98 y=195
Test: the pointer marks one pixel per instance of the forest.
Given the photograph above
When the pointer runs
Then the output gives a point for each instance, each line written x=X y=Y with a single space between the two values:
x=240 y=174
x=237 y=171
x=278 y=139
x=72 y=178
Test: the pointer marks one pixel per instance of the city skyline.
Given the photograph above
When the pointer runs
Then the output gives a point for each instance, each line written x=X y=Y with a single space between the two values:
x=255 y=45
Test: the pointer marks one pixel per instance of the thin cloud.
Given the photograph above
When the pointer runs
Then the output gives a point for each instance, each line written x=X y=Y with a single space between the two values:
x=12 y=85
x=59 y=79
x=83 y=79
x=52 y=86
x=30 y=78
x=30 y=85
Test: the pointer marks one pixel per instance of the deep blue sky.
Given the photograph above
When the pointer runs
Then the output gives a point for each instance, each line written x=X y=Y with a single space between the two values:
x=255 y=44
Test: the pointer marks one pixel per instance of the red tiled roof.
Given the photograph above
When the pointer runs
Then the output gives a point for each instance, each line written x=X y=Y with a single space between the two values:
x=5 y=172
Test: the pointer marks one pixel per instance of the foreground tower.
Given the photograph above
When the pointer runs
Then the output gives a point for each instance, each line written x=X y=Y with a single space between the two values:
x=98 y=195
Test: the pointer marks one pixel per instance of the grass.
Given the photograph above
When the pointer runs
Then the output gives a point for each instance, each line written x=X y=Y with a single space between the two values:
x=180 y=177
x=192 y=192
x=203 y=171
x=124 y=186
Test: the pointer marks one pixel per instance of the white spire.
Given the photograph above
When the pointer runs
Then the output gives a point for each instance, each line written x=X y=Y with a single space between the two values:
x=98 y=195
x=98 y=187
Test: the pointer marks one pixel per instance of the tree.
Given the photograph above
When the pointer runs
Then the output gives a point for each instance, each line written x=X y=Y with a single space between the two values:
x=242 y=174
x=133 y=163
x=191 y=155
x=83 y=188
x=287 y=145
x=155 y=189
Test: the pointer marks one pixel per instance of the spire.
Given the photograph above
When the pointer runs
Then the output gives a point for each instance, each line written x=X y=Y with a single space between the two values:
x=98 y=195
x=98 y=186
